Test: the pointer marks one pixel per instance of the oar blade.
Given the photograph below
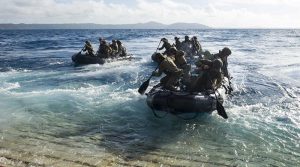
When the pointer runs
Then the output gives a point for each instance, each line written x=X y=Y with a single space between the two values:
x=221 y=110
x=143 y=87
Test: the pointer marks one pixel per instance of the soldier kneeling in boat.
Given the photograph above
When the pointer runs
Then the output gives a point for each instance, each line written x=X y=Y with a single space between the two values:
x=167 y=66
x=121 y=49
x=223 y=55
x=89 y=48
x=105 y=50
x=211 y=76
x=177 y=43
x=196 y=47
x=114 y=48
x=178 y=57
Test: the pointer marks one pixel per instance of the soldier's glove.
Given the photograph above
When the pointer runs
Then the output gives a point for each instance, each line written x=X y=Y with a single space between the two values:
x=154 y=73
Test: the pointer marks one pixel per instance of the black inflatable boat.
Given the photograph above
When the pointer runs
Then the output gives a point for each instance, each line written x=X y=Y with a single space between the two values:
x=83 y=59
x=185 y=102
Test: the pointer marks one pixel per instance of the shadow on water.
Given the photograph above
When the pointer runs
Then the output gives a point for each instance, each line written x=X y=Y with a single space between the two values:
x=131 y=132
x=140 y=136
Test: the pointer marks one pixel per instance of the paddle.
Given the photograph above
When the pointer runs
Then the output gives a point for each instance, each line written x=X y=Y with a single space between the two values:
x=230 y=85
x=220 y=108
x=80 y=51
x=145 y=85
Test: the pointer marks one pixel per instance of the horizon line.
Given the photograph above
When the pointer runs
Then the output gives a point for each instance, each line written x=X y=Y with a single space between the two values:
x=209 y=27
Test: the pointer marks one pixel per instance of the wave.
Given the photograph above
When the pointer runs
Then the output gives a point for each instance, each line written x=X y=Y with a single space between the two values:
x=98 y=106
x=4 y=87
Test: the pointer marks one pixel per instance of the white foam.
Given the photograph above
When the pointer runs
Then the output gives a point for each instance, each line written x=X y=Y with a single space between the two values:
x=56 y=63
x=9 y=86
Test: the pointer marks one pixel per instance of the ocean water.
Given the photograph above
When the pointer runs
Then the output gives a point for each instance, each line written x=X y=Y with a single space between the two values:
x=53 y=113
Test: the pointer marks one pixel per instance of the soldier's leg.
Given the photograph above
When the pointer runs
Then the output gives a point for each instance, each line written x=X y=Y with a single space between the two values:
x=164 y=80
x=186 y=74
x=172 y=80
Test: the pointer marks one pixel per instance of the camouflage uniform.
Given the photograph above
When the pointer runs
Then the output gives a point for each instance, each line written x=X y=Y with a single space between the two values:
x=186 y=46
x=187 y=42
x=177 y=43
x=168 y=67
x=114 y=47
x=181 y=63
x=211 y=77
x=166 y=45
x=207 y=55
x=197 y=49
x=223 y=54
x=89 y=48
x=122 y=50
x=104 y=50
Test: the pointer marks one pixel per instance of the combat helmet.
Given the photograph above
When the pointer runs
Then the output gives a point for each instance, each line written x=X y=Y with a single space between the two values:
x=157 y=56
x=225 y=52
x=164 y=40
x=172 y=50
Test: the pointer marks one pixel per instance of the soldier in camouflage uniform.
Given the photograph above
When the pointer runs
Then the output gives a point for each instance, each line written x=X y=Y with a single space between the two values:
x=114 y=47
x=168 y=67
x=196 y=47
x=104 y=50
x=223 y=55
x=211 y=78
x=177 y=43
x=121 y=49
x=166 y=45
x=89 y=48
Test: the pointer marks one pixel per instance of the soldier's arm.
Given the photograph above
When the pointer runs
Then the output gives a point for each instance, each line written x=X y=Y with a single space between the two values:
x=89 y=47
x=160 y=70
x=200 y=48
x=156 y=73
x=161 y=47
x=203 y=62
x=85 y=47
x=206 y=62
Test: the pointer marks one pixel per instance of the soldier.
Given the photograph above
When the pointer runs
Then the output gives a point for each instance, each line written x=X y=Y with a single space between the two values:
x=197 y=49
x=165 y=45
x=100 y=41
x=177 y=43
x=178 y=57
x=114 y=47
x=121 y=49
x=187 y=42
x=181 y=63
x=223 y=55
x=167 y=66
x=171 y=53
x=89 y=48
x=211 y=77
x=207 y=55
x=186 y=45
x=104 y=50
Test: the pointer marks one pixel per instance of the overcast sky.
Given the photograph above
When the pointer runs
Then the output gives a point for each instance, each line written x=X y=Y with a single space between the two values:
x=214 y=13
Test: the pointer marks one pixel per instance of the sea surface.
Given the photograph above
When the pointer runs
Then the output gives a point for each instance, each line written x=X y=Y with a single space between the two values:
x=53 y=113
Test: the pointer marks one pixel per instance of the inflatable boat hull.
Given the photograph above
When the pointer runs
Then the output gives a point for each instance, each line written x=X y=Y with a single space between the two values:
x=86 y=59
x=184 y=102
